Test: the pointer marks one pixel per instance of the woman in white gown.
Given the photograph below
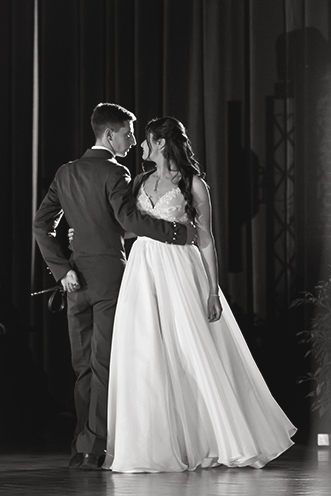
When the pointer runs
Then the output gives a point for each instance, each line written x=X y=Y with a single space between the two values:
x=184 y=390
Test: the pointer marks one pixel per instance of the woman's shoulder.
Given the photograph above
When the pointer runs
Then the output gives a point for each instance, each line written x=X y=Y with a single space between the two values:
x=199 y=183
x=200 y=190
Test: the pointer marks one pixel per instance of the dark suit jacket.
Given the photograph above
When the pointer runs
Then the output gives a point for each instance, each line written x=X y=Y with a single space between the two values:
x=94 y=193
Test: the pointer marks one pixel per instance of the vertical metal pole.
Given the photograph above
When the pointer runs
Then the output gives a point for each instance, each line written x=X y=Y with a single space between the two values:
x=35 y=132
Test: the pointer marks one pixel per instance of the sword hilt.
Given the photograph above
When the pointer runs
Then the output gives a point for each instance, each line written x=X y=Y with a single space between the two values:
x=54 y=288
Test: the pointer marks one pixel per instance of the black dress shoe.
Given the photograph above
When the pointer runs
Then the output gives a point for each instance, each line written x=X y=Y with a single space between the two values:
x=76 y=460
x=90 y=462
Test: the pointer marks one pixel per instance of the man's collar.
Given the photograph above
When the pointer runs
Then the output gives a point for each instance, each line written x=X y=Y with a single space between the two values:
x=100 y=147
x=99 y=152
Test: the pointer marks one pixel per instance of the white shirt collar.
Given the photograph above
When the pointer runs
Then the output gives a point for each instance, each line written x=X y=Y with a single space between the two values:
x=100 y=147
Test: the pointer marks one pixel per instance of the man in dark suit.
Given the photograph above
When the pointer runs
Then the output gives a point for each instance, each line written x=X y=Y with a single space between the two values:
x=94 y=194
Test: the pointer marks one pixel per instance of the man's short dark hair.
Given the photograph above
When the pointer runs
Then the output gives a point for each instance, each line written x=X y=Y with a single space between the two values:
x=109 y=115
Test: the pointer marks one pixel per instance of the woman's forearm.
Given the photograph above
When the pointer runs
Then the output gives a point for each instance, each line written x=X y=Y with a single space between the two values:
x=209 y=258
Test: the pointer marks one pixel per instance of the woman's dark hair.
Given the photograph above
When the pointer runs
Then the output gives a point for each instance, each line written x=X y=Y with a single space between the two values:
x=177 y=149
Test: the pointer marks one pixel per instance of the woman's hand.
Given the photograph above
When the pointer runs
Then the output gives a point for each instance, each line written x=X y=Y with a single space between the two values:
x=71 y=233
x=214 y=308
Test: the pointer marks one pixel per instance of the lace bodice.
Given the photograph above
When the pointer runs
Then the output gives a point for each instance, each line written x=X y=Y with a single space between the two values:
x=170 y=206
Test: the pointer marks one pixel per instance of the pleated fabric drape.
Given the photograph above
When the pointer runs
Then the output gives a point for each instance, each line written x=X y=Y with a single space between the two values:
x=16 y=83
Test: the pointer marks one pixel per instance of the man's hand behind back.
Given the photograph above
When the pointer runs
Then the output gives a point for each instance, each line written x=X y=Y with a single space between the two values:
x=70 y=281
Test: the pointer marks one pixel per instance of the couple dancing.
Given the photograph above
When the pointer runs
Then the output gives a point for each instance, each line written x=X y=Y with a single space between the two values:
x=183 y=389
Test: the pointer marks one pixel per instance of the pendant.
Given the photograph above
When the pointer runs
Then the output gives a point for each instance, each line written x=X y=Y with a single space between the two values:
x=157 y=183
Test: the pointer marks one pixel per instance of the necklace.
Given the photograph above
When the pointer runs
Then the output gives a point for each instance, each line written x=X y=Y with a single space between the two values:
x=157 y=183
x=158 y=179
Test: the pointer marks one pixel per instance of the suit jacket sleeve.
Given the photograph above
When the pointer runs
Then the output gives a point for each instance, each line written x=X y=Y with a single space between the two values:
x=131 y=219
x=47 y=218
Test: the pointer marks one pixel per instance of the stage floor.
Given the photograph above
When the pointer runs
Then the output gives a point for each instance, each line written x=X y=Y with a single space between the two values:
x=301 y=471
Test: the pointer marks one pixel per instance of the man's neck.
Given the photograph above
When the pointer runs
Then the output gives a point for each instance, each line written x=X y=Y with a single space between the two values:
x=101 y=147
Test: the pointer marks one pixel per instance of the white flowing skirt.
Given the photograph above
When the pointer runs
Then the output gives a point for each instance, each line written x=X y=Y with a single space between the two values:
x=183 y=393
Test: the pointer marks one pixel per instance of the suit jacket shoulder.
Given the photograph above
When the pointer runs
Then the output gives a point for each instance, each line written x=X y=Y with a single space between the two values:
x=99 y=159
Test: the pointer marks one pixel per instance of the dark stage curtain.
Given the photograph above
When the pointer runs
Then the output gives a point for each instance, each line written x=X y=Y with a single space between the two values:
x=250 y=81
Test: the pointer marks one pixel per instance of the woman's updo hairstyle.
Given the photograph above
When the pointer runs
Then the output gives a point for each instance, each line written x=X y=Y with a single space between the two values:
x=178 y=150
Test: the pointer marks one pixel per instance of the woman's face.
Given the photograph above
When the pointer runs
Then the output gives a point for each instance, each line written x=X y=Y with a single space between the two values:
x=149 y=153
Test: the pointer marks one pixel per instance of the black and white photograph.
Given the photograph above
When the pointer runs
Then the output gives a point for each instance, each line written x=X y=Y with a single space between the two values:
x=165 y=276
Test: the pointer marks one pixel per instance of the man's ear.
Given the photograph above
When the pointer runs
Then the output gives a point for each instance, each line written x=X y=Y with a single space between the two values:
x=109 y=134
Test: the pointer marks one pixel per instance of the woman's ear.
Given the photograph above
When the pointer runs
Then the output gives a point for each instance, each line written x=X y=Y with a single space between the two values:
x=161 y=142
